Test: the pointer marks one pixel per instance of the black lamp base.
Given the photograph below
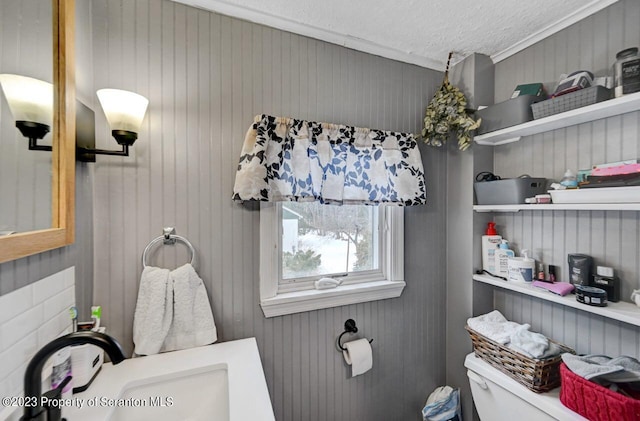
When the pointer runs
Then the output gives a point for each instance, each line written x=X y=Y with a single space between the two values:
x=124 y=137
x=34 y=132
x=86 y=147
x=86 y=138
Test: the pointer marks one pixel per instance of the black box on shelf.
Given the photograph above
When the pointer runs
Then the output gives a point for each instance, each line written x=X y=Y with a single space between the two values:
x=507 y=113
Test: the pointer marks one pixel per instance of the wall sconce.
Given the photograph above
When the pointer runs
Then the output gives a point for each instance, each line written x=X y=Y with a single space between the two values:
x=31 y=104
x=124 y=111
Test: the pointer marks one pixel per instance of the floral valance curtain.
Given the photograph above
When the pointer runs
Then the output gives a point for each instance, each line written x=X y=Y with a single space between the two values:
x=285 y=159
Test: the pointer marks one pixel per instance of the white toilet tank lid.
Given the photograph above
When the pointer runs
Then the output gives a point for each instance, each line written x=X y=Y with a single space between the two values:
x=548 y=402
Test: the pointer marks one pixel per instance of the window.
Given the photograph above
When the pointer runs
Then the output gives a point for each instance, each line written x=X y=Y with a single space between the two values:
x=300 y=242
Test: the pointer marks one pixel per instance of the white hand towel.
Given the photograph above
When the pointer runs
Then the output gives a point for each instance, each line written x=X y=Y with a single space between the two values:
x=193 y=323
x=154 y=311
x=494 y=326
x=359 y=356
x=529 y=343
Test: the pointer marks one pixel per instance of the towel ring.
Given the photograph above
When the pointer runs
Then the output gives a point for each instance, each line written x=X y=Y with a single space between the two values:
x=169 y=237
x=349 y=327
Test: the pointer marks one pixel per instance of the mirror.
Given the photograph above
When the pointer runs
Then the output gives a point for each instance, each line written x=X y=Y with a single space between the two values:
x=62 y=157
x=26 y=36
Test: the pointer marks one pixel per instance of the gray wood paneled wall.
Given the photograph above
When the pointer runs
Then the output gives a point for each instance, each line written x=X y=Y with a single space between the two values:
x=611 y=237
x=206 y=76
x=475 y=74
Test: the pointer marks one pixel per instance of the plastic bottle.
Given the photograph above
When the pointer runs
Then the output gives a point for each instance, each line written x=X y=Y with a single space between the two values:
x=521 y=269
x=626 y=72
x=569 y=180
x=61 y=370
x=490 y=242
x=502 y=259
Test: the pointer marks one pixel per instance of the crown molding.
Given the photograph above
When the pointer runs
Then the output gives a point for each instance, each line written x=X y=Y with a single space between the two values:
x=579 y=14
x=265 y=18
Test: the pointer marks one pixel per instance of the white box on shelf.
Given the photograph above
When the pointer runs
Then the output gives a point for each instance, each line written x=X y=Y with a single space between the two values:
x=597 y=195
x=86 y=362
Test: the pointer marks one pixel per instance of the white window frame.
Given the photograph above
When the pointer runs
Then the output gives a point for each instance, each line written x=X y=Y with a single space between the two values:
x=387 y=283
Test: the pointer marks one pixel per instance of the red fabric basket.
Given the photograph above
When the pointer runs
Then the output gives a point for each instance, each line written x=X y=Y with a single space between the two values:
x=595 y=402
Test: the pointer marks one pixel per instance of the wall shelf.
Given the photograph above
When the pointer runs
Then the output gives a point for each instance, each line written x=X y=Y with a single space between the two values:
x=559 y=206
x=612 y=107
x=622 y=311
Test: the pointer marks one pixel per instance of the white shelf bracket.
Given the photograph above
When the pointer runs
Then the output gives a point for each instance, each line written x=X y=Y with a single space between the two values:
x=500 y=142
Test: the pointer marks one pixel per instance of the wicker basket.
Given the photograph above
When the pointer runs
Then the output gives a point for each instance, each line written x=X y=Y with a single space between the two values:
x=537 y=375
x=570 y=101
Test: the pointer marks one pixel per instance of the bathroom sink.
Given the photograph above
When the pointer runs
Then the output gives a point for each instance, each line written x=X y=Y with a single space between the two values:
x=194 y=395
x=219 y=382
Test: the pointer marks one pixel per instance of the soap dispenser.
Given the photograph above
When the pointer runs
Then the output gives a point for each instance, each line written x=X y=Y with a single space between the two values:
x=490 y=243
x=521 y=269
x=502 y=256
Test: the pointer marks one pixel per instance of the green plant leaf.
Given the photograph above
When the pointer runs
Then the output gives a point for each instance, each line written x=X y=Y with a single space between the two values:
x=446 y=113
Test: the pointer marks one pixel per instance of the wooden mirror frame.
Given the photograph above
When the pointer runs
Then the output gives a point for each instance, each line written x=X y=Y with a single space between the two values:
x=63 y=159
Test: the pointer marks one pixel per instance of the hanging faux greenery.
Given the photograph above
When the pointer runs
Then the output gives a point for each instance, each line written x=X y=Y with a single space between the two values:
x=447 y=113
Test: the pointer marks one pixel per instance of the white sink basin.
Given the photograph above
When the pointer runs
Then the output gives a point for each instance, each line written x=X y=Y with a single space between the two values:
x=220 y=382
x=194 y=395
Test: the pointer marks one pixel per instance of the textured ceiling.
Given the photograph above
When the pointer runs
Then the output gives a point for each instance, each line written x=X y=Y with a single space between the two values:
x=417 y=31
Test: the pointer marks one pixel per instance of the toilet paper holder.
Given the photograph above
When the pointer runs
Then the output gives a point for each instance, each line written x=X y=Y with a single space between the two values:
x=349 y=327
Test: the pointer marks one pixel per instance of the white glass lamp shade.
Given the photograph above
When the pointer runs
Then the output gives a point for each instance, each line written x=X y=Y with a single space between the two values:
x=124 y=110
x=29 y=99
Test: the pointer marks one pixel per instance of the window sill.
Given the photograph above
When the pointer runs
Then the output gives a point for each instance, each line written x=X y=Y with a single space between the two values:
x=308 y=300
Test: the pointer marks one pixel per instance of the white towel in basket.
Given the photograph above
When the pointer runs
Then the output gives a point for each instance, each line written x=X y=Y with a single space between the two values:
x=494 y=326
x=531 y=344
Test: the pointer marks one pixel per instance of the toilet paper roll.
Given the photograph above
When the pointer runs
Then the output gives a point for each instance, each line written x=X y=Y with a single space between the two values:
x=359 y=356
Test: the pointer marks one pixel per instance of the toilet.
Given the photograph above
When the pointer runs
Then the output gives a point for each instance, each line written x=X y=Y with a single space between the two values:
x=497 y=397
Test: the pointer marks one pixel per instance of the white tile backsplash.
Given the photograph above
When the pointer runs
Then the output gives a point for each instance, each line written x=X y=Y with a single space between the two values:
x=14 y=381
x=53 y=305
x=47 y=287
x=15 y=303
x=54 y=327
x=14 y=356
x=13 y=330
x=30 y=317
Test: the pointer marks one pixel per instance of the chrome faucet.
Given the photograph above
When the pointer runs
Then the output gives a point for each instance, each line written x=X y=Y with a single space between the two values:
x=33 y=375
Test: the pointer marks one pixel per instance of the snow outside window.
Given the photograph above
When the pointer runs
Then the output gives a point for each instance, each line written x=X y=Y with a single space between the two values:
x=360 y=246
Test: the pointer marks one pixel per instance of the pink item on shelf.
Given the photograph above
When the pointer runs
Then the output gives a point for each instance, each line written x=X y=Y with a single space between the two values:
x=560 y=288
x=616 y=170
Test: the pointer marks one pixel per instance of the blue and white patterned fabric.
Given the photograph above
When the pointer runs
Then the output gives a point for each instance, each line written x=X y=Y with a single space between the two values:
x=285 y=159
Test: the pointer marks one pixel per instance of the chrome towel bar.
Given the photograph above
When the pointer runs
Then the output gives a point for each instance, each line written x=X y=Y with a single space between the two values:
x=168 y=238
